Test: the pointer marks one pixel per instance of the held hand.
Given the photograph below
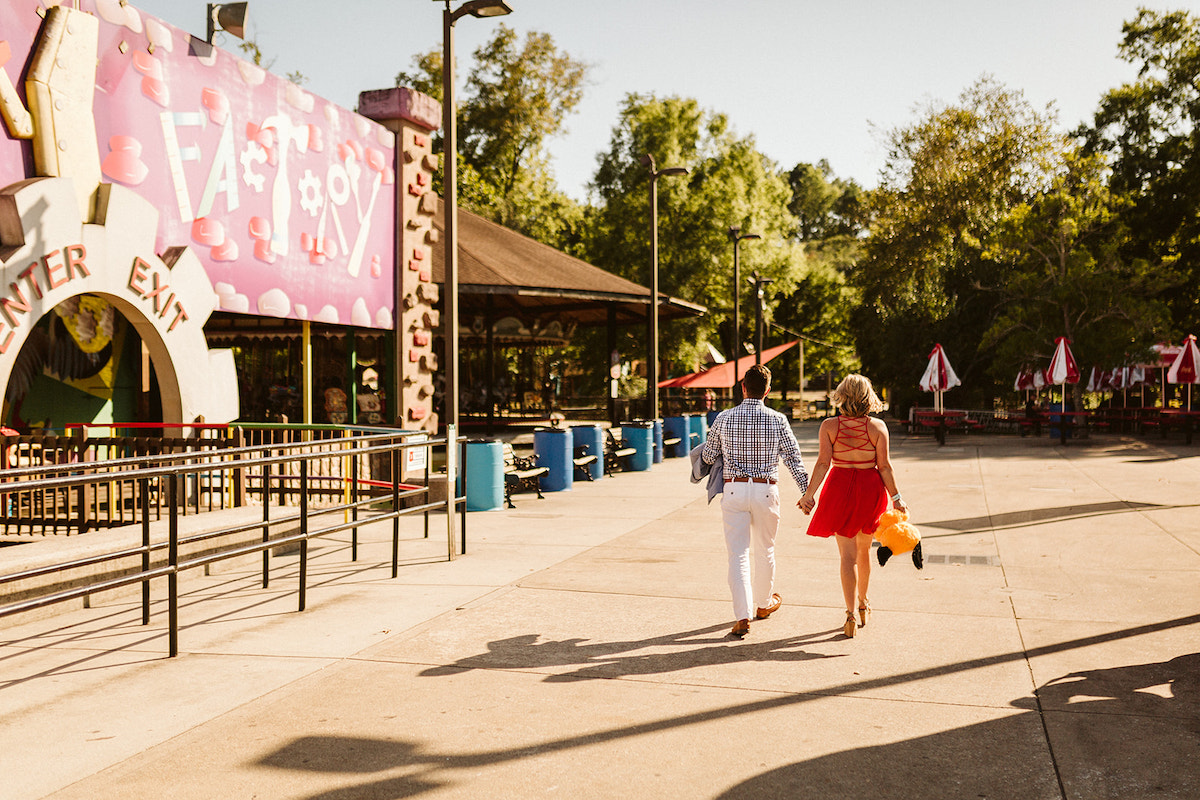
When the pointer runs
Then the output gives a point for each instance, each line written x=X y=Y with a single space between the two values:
x=806 y=504
x=900 y=505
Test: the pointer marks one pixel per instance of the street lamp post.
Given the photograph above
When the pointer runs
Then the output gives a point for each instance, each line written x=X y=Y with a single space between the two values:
x=474 y=8
x=647 y=161
x=759 y=282
x=736 y=236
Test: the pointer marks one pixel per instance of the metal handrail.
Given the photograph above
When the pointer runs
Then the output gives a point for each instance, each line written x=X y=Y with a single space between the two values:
x=141 y=466
x=166 y=467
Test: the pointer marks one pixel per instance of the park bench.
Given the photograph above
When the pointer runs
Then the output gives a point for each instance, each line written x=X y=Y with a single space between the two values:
x=521 y=473
x=614 y=452
x=583 y=460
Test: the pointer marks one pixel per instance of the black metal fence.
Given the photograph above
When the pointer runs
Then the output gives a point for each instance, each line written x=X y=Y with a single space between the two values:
x=290 y=471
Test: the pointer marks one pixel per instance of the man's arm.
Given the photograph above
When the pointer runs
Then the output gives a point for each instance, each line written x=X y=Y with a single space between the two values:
x=712 y=444
x=791 y=456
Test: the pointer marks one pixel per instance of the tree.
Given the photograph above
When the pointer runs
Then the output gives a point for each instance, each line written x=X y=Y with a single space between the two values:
x=824 y=206
x=821 y=307
x=829 y=215
x=1066 y=275
x=426 y=76
x=1148 y=129
x=948 y=181
x=518 y=95
x=729 y=183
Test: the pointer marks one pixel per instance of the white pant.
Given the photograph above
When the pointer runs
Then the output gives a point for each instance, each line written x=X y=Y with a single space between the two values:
x=751 y=515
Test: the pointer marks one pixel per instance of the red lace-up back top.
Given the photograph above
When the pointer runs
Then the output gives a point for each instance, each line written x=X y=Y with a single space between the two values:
x=852 y=446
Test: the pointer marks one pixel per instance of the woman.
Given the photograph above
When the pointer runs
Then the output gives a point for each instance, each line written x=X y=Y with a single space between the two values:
x=853 y=454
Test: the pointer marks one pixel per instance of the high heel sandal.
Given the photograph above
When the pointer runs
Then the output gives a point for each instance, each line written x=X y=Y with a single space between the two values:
x=864 y=613
x=849 y=627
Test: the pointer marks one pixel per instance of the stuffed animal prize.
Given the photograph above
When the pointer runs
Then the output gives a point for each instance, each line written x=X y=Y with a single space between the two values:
x=897 y=536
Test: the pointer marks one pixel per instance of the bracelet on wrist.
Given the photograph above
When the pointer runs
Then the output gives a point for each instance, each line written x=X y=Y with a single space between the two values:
x=896 y=497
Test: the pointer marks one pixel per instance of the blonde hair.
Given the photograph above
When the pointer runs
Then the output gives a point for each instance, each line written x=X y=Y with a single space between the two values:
x=855 y=397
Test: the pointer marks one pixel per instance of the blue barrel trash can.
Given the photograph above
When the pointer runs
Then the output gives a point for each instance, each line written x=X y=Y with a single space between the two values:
x=658 y=441
x=485 y=475
x=1057 y=420
x=591 y=436
x=677 y=428
x=639 y=436
x=698 y=429
x=553 y=449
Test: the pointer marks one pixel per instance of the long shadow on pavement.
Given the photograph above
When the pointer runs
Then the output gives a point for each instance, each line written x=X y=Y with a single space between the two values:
x=1037 y=516
x=603 y=659
x=1122 y=732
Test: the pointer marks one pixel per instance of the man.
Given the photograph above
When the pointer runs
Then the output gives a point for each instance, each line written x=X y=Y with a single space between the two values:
x=751 y=438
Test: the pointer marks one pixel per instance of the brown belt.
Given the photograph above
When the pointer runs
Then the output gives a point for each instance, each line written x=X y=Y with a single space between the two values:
x=751 y=480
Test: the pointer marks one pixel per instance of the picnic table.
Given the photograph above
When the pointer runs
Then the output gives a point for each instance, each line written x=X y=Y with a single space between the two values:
x=1180 y=418
x=1067 y=422
x=940 y=422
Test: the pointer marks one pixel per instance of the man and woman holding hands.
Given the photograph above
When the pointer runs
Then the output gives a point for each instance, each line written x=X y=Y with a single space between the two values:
x=747 y=443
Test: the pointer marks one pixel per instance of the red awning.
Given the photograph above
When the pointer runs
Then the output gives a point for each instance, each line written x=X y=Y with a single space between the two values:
x=720 y=376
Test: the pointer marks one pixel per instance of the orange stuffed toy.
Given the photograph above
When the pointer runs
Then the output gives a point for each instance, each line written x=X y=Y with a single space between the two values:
x=897 y=536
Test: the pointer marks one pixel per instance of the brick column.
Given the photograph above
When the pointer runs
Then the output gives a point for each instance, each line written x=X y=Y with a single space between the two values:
x=413 y=117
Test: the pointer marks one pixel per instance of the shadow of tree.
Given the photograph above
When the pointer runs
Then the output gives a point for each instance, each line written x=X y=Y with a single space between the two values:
x=604 y=660
x=1038 y=516
x=1121 y=732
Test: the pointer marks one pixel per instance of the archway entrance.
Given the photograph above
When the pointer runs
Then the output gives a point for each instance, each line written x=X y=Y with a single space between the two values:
x=65 y=278
x=82 y=362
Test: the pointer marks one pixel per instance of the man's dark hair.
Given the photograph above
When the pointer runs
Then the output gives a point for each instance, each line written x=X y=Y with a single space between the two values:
x=756 y=380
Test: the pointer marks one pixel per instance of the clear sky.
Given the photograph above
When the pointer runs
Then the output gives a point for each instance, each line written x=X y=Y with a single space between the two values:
x=808 y=80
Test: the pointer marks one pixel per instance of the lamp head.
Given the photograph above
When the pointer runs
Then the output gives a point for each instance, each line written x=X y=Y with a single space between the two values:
x=487 y=8
x=478 y=8
x=674 y=171
x=228 y=17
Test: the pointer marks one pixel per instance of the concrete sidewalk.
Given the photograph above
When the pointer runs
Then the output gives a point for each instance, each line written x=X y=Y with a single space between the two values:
x=1049 y=649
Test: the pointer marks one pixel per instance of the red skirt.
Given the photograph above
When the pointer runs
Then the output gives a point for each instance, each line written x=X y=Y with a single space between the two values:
x=851 y=502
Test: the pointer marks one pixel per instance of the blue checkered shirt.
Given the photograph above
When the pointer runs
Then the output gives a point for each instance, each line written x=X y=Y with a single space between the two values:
x=751 y=439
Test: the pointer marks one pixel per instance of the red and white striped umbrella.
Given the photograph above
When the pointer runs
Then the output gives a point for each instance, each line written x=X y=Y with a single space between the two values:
x=1024 y=381
x=1062 y=365
x=1184 y=367
x=939 y=375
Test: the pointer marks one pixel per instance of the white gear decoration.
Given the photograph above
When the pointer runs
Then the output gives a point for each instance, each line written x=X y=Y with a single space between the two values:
x=310 y=193
x=253 y=154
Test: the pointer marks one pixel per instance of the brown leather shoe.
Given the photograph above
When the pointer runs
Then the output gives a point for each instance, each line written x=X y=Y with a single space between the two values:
x=776 y=602
x=741 y=628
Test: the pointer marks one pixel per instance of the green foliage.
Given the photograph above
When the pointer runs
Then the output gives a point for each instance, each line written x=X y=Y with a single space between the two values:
x=730 y=183
x=949 y=180
x=824 y=206
x=426 y=75
x=1147 y=129
x=254 y=53
x=1066 y=275
x=821 y=307
x=829 y=213
x=517 y=96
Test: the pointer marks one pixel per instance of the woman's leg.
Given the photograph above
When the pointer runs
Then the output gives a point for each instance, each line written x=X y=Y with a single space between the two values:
x=862 y=543
x=848 y=550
